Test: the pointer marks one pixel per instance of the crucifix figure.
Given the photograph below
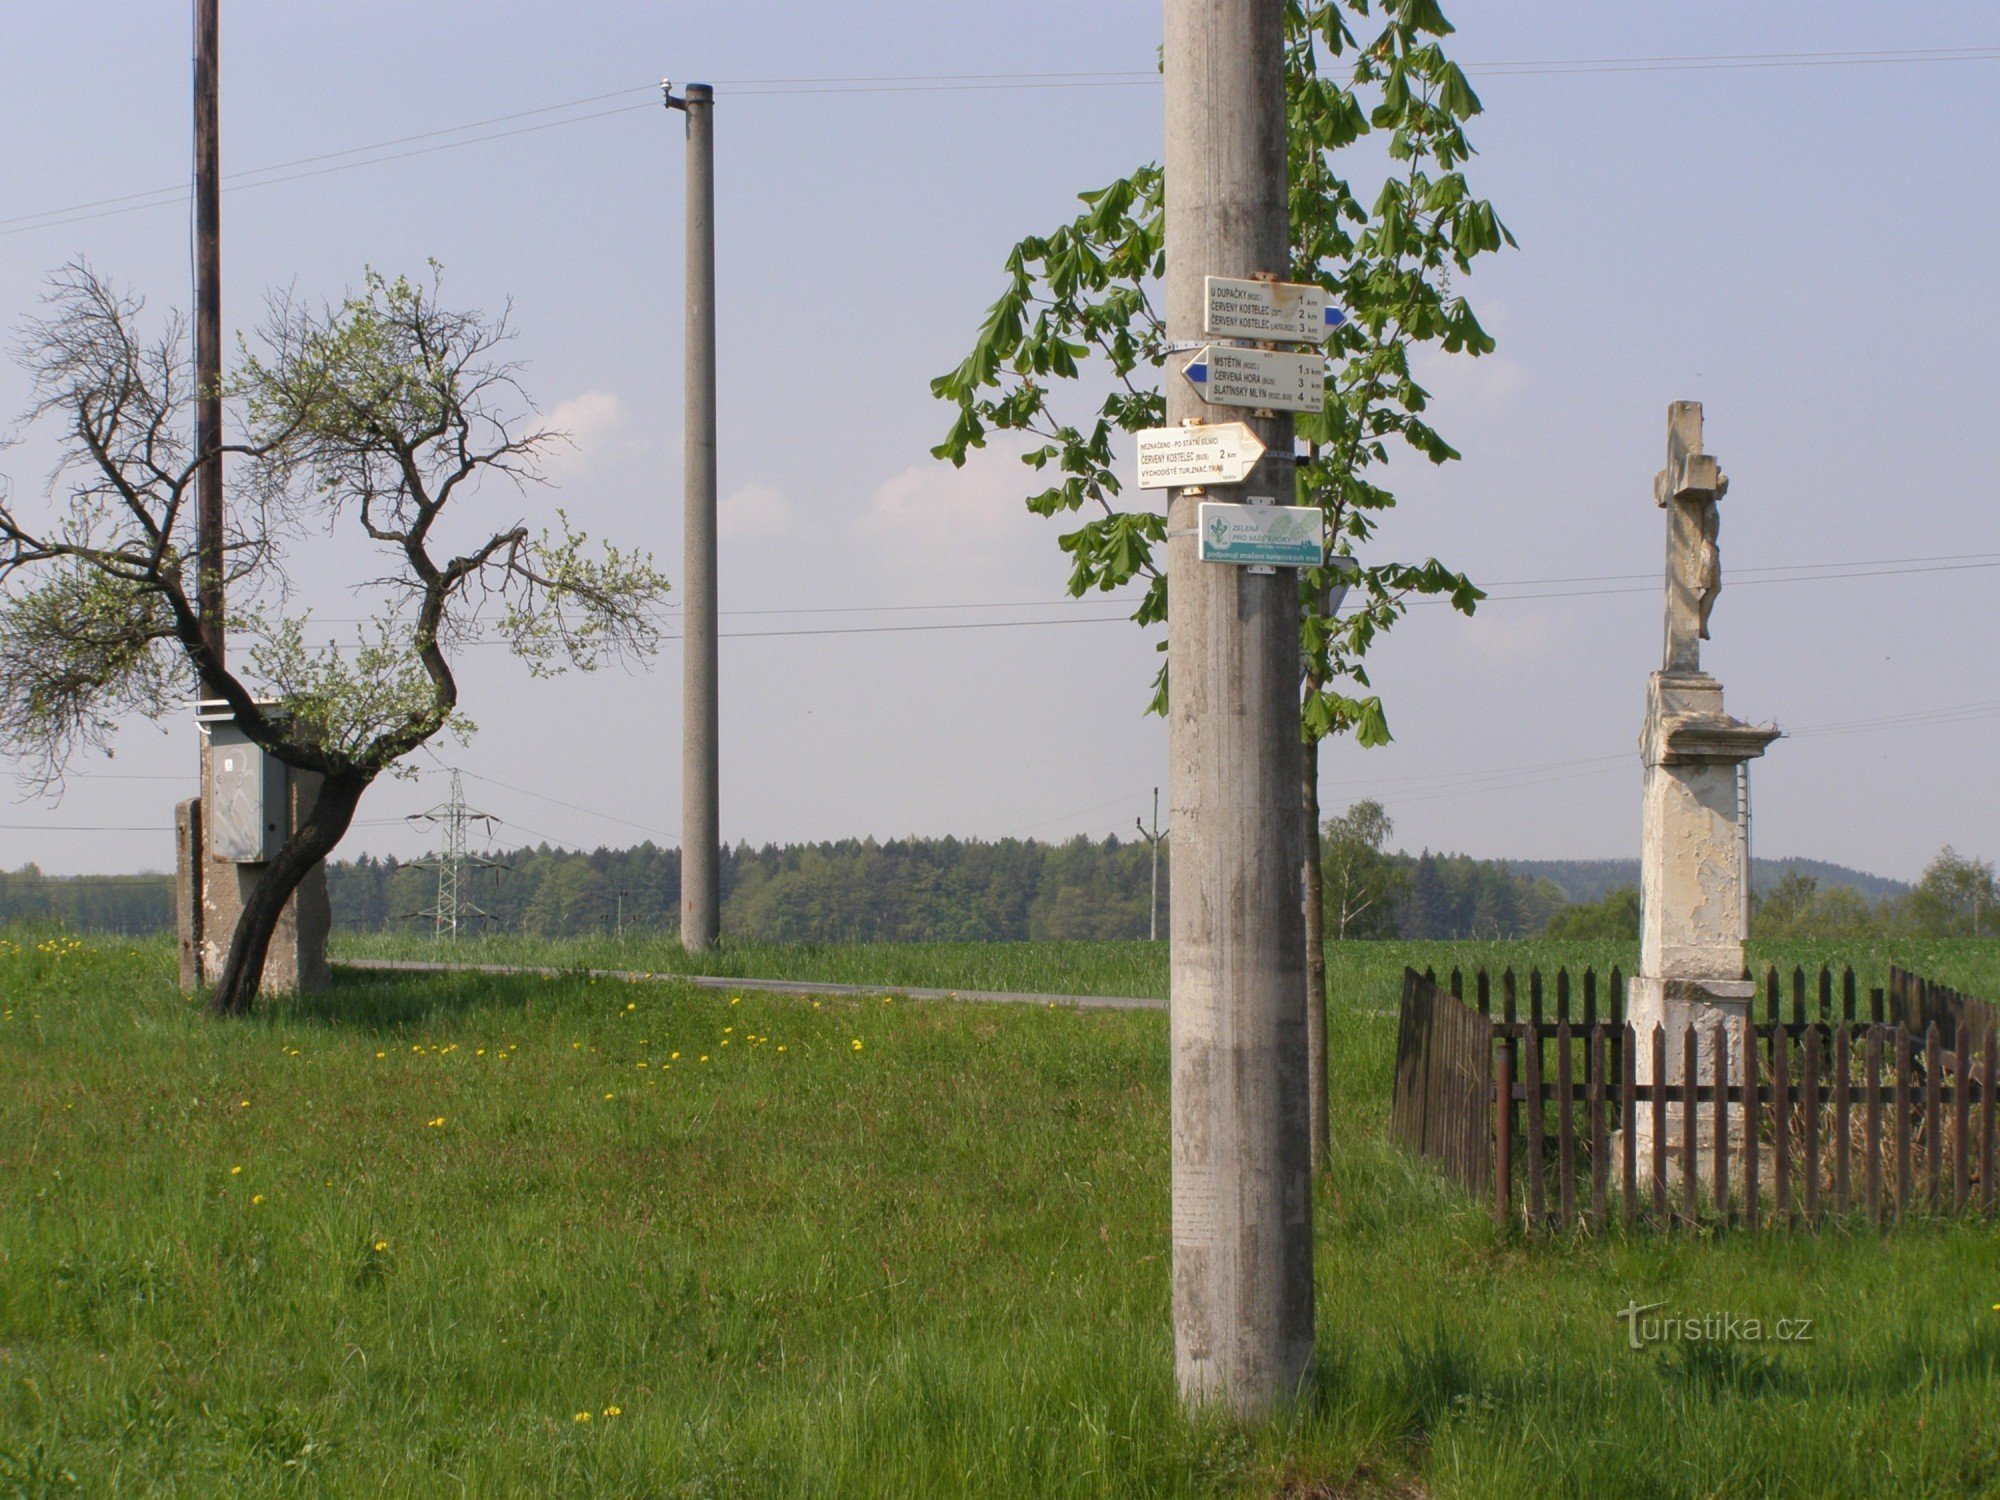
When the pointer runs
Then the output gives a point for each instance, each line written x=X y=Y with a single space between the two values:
x=1689 y=488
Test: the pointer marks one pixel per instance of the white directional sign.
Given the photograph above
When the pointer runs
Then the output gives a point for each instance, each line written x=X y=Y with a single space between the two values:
x=1268 y=536
x=1281 y=311
x=1277 y=379
x=1219 y=453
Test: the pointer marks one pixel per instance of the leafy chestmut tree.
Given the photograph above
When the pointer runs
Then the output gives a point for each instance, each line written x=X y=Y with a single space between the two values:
x=1079 y=312
x=386 y=420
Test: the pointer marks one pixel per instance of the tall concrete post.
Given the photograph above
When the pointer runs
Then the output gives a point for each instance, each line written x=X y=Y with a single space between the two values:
x=1241 y=1153
x=701 y=814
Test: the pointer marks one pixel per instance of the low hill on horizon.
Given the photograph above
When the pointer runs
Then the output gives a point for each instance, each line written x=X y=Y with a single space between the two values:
x=1589 y=879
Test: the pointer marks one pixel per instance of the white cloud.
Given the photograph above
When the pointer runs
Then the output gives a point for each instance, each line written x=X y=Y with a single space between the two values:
x=757 y=510
x=592 y=420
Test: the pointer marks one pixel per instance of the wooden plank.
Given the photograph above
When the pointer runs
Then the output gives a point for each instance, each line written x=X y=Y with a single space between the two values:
x=1600 y=1167
x=1628 y=1125
x=1566 y=1119
x=1503 y=1141
x=1771 y=982
x=1615 y=998
x=1843 y=1114
x=1535 y=997
x=1403 y=1117
x=1589 y=997
x=1875 y=1006
x=1872 y=1110
x=1562 y=994
x=1690 y=1127
x=1753 y=1128
x=1811 y=1131
x=1933 y=1117
x=1659 y=1102
x=1719 y=1118
x=1961 y=1120
x=1825 y=993
x=1847 y=994
x=1798 y=999
x=1901 y=1123
x=1485 y=984
x=1989 y=1119
x=1781 y=1128
x=1512 y=1046
x=1532 y=1076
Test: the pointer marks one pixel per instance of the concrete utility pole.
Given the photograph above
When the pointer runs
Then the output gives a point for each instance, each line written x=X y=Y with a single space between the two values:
x=1242 y=1179
x=701 y=812
x=208 y=329
x=1153 y=837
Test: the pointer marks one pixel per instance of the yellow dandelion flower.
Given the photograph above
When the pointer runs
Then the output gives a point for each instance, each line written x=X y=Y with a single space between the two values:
x=235 y=1171
x=704 y=1057
x=611 y=1096
x=381 y=1054
x=480 y=1053
x=380 y=1246
x=735 y=999
x=583 y=1416
x=674 y=1056
x=857 y=1044
x=781 y=1046
x=255 y=1199
x=243 y=1104
x=631 y=1005
x=815 y=1005
x=614 y=1411
x=574 y=1045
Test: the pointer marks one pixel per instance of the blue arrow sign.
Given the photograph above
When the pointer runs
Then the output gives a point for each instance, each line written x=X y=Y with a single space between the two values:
x=1335 y=317
x=1197 y=371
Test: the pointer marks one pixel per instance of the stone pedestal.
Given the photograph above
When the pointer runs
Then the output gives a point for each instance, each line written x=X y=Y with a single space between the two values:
x=1693 y=873
x=209 y=897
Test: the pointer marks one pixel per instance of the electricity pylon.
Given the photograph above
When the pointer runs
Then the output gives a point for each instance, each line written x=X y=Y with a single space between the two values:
x=451 y=861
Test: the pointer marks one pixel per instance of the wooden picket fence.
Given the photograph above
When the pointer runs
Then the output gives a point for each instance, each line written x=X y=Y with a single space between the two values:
x=1885 y=1110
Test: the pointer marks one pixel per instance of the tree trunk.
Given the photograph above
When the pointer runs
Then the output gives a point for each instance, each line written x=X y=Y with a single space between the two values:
x=1315 y=903
x=314 y=839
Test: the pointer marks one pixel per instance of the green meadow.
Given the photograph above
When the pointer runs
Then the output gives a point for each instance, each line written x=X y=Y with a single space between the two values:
x=521 y=1235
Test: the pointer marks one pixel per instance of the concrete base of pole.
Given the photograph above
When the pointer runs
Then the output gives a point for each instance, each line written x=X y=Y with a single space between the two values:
x=208 y=901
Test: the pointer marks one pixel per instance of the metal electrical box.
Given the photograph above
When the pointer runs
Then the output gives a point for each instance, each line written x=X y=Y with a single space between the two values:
x=245 y=806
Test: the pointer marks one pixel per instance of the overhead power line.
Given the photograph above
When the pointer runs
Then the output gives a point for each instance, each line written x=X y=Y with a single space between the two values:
x=427 y=141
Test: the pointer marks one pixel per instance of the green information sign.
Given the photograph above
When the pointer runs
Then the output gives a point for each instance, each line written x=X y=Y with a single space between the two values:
x=1266 y=536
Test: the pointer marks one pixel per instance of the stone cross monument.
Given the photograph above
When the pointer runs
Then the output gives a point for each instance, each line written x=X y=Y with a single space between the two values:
x=1693 y=873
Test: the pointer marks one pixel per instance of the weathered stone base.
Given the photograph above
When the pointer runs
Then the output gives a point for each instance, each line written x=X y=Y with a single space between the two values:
x=1718 y=1013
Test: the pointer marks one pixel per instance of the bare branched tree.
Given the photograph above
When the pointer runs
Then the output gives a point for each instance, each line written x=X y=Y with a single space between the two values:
x=387 y=416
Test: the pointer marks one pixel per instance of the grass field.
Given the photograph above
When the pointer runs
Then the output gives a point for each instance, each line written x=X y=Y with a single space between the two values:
x=448 y=1235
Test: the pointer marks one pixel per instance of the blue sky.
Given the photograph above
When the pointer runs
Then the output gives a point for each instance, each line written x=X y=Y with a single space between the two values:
x=1808 y=250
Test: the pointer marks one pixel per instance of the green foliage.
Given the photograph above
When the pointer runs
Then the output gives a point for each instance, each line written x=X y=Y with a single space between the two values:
x=390 y=414
x=1362 y=886
x=1956 y=897
x=1077 y=307
x=1614 y=917
x=1457 y=896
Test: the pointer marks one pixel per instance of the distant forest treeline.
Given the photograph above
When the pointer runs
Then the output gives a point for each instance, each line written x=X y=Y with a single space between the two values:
x=850 y=891
x=855 y=891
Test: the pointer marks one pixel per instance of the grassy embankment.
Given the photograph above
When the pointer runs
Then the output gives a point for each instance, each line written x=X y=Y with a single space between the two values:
x=404 y=1237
